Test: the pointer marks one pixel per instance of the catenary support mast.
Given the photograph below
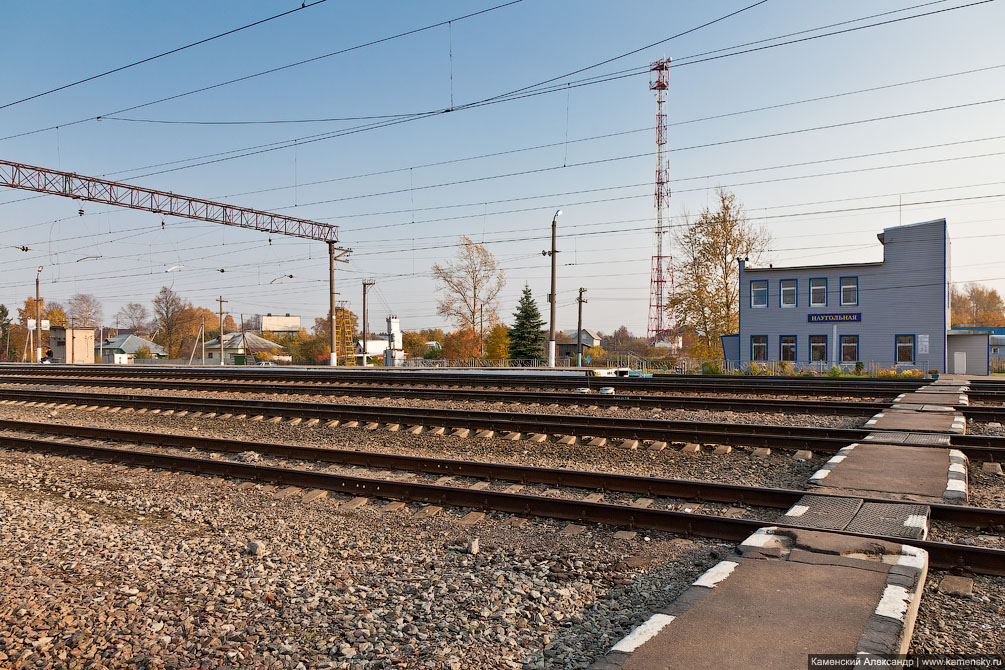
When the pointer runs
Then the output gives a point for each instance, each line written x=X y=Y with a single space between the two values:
x=93 y=189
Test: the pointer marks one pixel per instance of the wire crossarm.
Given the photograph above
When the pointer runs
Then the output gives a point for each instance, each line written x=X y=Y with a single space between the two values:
x=54 y=182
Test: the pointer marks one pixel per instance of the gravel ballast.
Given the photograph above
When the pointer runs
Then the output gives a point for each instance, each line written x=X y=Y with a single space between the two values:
x=779 y=470
x=140 y=568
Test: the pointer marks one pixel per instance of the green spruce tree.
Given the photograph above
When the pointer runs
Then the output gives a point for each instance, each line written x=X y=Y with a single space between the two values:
x=525 y=337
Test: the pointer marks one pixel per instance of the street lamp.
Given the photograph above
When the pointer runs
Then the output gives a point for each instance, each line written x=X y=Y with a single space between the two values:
x=552 y=297
x=38 y=319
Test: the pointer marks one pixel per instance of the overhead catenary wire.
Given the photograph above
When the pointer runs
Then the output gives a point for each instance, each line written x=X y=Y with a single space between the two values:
x=169 y=52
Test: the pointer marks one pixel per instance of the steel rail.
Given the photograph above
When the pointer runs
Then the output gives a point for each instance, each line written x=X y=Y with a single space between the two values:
x=981 y=560
x=775 y=385
x=735 y=434
x=826 y=407
x=698 y=491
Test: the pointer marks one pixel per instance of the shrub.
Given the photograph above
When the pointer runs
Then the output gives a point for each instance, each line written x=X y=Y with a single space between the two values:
x=859 y=367
x=911 y=374
x=711 y=368
x=835 y=371
x=784 y=368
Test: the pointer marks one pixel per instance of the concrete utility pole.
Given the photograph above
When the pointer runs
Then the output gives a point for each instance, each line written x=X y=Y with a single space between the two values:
x=333 y=356
x=70 y=357
x=202 y=333
x=481 y=330
x=38 y=319
x=552 y=298
x=579 y=330
x=367 y=283
x=221 y=301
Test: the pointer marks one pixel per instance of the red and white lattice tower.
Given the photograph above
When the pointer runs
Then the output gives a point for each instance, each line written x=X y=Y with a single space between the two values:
x=662 y=328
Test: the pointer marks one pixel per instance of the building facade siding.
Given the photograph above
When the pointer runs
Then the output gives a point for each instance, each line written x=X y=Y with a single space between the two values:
x=906 y=294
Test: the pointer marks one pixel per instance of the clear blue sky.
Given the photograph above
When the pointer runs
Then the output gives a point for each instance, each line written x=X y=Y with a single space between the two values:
x=397 y=236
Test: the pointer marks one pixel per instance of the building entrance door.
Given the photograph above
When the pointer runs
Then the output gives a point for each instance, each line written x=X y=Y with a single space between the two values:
x=959 y=362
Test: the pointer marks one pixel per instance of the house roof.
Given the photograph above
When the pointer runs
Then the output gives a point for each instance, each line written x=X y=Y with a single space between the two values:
x=247 y=341
x=592 y=333
x=130 y=344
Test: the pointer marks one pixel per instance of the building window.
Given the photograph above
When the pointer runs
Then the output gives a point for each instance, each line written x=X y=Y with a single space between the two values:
x=818 y=347
x=818 y=292
x=849 y=348
x=788 y=289
x=905 y=348
x=759 y=293
x=849 y=290
x=758 y=347
x=787 y=348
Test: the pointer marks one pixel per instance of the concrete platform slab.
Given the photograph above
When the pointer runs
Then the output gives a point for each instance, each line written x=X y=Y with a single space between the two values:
x=907 y=420
x=787 y=594
x=918 y=439
x=895 y=472
x=932 y=398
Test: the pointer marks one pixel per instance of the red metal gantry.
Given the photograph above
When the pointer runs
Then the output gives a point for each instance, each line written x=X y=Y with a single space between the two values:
x=54 y=182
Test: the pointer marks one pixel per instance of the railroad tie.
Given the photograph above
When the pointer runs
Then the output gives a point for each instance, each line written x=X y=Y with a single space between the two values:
x=567 y=439
x=427 y=512
x=415 y=430
x=314 y=494
x=479 y=486
x=295 y=421
x=658 y=445
x=184 y=412
x=274 y=419
x=597 y=442
x=722 y=450
x=330 y=424
x=485 y=433
x=437 y=430
x=512 y=436
x=460 y=432
x=761 y=452
x=393 y=427
x=357 y=502
x=393 y=506
x=691 y=448
x=352 y=424
x=471 y=518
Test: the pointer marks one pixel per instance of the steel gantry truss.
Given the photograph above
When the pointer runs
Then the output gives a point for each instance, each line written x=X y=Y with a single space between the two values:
x=93 y=189
x=54 y=182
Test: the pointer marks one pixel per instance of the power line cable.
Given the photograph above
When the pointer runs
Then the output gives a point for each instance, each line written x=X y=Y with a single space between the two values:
x=163 y=54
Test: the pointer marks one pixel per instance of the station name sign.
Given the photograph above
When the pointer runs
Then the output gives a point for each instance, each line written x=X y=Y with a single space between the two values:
x=833 y=318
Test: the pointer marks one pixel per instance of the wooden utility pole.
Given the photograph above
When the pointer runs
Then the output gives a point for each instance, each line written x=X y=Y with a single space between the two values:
x=579 y=330
x=221 y=301
x=481 y=330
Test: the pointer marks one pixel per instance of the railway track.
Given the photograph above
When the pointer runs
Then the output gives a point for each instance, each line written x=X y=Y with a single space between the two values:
x=821 y=386
x=824 y=407
x=734 y=434
x=784 y=405
x=697 y=491
x=942 y=555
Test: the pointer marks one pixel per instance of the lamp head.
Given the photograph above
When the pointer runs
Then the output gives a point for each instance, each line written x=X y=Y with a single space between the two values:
x=558 y=214
x=40 y=268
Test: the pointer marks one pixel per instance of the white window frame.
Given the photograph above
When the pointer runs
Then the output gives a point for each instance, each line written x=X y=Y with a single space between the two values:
x=823 y=286
x=842 y=288
x=782 y=346
x=753 y=304
x=841 y=344
x=788 y=286
x=909 y=343
x=818 y=344
x=754 y=358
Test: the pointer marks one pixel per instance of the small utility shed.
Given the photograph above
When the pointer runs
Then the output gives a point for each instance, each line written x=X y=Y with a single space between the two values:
x=967 y=351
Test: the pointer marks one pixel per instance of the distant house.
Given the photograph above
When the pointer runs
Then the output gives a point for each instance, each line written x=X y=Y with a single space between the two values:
x=238 y=348
x=125 y=343
x=591 y=338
